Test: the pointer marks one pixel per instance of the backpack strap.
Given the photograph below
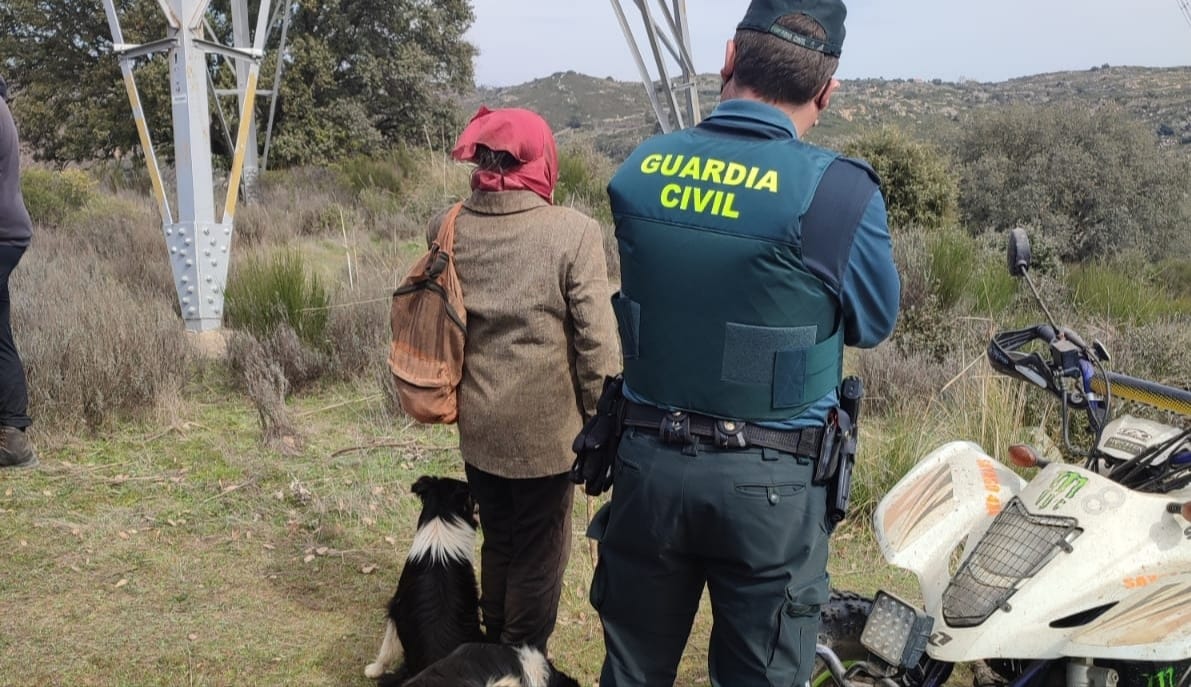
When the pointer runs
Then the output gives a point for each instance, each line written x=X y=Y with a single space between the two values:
x=444 y=243
x=830 y=223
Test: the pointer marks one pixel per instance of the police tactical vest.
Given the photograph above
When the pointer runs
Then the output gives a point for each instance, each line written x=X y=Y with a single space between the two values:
x=718 y=311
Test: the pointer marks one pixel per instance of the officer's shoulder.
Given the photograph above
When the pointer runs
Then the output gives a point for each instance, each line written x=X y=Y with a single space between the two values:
x=861 y=165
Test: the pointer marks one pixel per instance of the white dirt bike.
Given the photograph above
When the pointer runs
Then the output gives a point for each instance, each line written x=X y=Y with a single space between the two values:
x=1077 y=577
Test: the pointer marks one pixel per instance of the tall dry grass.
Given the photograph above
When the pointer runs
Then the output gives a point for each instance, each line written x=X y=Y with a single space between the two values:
x=95 y=346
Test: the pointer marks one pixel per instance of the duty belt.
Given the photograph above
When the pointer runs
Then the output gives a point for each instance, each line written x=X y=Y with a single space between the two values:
x=679 y=427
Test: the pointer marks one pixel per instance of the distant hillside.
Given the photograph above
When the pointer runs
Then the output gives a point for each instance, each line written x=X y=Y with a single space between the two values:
x=615 y=115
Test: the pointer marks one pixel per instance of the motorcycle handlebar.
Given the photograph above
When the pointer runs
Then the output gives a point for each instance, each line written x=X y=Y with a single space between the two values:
x=1006 y=355
x=1160 y=396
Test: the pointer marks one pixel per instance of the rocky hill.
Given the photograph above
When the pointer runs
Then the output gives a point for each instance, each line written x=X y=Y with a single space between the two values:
x=615 y=115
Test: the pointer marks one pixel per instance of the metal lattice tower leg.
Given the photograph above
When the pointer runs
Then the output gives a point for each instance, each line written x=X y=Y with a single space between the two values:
x=677 y=105
x=199 y=242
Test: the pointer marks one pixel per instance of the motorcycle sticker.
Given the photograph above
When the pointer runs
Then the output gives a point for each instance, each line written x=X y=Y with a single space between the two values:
x=1161 y=678
x=1061 y=490
x=941 y=639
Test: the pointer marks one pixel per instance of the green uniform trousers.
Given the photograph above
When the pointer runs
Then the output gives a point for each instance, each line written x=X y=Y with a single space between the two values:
x=745 y=523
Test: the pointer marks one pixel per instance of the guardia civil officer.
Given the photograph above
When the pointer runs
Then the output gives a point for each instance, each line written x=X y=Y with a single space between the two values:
x=749 y=259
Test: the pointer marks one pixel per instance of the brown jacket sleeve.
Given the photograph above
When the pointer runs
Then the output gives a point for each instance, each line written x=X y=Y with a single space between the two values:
x=597 y=348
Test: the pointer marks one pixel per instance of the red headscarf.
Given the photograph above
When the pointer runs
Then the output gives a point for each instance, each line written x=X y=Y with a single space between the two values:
x=522 y=134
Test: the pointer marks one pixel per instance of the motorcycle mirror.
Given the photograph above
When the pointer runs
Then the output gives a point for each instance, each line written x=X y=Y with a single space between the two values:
x=1024 y=456
x=1019 y=252
x=1100 y=351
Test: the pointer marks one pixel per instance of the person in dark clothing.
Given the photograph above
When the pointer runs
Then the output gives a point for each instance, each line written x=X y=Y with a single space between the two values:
x=16 y=230
x=749 y=260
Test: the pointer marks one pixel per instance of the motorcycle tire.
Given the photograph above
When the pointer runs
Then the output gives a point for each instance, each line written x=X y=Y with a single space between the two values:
x=841 y=620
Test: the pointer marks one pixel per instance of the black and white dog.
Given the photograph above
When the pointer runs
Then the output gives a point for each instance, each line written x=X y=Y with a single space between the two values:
x=492 y=665
x=436 y=606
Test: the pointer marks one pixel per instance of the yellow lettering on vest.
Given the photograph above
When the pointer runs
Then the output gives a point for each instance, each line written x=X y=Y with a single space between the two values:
x=691 y=171
x=736 y=174
x=752 y=181
x=686 y=198
x=719 y=203
x=768 y=182
x=703 y=198
x=651 y=164
x=713 y=170
x=728 y=211
x=672 y=164
x=670 y=195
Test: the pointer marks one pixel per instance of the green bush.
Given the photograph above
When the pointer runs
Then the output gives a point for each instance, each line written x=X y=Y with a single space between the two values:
x=1123 y=291
x=386 y=173
x=916 y=180
x=583 y=176
x=1093 y=180
x=264 y=293
x=962 y=271
x=953 y=261
x=1175 y=275
x=52 y=197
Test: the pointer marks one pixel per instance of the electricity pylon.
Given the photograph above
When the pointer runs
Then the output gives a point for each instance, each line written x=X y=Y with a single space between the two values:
x=198 y=240
x=665 y=28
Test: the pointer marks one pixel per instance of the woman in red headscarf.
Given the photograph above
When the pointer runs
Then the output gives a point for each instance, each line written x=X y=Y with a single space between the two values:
x=541 y=338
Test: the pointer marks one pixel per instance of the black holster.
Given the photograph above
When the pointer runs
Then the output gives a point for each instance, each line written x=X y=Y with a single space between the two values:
x=837 y=452
x=595 y=446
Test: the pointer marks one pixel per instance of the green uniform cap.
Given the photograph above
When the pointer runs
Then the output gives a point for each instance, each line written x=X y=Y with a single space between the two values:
x=762 y=16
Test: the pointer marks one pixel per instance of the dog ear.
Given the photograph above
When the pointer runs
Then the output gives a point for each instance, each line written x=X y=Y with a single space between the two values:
x=422 y=485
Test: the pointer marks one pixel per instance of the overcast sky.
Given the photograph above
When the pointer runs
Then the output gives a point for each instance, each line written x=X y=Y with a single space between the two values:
x=520 y=40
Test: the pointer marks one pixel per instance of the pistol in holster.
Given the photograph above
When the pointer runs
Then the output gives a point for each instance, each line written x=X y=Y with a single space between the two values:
x=596 y=444
x=837 y=451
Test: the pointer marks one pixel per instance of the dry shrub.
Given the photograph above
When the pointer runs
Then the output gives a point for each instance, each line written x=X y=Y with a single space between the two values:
x=896 y=381
x=299 y=365
x=94 y=348
x=263 y=377
x=358 y=330
x=125 y=231
x=359 y=336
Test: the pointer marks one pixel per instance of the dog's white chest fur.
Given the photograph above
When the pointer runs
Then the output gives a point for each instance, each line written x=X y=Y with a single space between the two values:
x=444 y=539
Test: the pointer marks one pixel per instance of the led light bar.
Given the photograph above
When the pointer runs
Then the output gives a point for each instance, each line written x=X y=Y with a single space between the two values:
x=896 y=631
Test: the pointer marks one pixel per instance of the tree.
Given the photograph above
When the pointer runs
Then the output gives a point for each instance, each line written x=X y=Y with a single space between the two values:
x=919 y=188
x=1094 y=180
x=67 y=91
x=360 y=74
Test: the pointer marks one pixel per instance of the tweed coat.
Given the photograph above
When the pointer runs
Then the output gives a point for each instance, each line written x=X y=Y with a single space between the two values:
x=541 y=335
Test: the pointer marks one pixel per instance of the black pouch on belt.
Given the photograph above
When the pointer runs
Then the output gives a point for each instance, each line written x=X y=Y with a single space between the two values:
x=596 y=444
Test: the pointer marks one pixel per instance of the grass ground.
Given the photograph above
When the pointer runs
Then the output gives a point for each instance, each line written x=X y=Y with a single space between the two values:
x=191 y=555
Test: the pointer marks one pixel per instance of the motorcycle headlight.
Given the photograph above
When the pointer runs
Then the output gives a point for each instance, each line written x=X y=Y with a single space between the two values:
x=896 y=631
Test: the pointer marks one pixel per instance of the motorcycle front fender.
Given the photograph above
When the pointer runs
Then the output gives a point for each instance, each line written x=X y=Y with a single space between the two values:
x=950 y=496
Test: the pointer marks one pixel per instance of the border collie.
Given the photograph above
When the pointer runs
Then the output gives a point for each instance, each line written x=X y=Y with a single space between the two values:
x=436 y=606
x=491 y=665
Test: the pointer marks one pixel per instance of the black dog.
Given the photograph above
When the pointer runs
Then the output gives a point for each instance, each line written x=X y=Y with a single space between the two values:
x=492 y=665
x=436 y=606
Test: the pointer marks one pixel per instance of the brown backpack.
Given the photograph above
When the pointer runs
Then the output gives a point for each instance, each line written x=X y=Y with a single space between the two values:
x=429 y=327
